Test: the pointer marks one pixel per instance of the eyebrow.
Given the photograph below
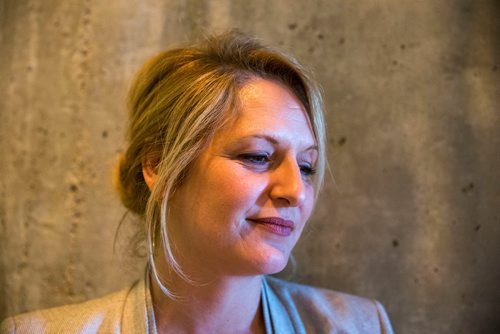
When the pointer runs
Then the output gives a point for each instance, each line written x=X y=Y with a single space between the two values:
x=275 y=141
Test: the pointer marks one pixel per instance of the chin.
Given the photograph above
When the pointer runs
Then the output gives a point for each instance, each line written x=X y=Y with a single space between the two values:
x=275 y=269
x=273 y=263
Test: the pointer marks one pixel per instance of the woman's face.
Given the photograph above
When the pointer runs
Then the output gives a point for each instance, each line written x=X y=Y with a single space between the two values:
x=245 y=201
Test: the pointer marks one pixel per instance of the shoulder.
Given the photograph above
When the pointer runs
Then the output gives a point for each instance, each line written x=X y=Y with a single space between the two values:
x=97 y=315
x=330 y=310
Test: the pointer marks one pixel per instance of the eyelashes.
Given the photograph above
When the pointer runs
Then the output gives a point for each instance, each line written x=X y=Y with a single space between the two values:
x=307 y=170
x=263 y=161
x=260 y=159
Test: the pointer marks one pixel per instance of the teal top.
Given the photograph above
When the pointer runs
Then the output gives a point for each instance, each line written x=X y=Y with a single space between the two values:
x=296 y=308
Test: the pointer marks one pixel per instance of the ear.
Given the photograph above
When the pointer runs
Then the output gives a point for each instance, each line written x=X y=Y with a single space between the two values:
x=149 y=174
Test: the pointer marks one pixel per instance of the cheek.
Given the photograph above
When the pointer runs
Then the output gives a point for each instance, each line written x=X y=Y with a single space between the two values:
x=236 y=189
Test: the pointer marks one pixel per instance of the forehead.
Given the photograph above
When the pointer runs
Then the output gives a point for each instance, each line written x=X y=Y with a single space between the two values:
x=270 y=108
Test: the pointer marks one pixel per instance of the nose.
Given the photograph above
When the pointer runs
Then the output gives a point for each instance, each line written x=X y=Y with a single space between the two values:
x=287 y=185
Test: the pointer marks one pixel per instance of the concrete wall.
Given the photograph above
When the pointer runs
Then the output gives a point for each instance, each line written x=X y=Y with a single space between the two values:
x=412 y=92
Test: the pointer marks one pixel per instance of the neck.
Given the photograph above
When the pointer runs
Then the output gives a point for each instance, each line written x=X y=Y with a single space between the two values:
x=225 y=305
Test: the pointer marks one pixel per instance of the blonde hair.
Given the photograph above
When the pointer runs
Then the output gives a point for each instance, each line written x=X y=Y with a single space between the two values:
x=178 y=101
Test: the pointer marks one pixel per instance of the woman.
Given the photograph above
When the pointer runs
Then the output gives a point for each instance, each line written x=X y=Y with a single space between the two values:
x=226 y=156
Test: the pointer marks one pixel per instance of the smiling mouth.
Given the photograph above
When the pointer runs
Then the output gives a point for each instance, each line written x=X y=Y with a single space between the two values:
x=276 y=225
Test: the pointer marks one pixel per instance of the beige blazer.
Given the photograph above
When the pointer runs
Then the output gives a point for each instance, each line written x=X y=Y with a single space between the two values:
x=288 y=308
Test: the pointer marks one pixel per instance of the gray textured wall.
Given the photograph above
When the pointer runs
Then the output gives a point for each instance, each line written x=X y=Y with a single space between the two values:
x=413 y=96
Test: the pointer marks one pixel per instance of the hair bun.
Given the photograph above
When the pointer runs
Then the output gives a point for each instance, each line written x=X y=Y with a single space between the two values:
x=131 y=186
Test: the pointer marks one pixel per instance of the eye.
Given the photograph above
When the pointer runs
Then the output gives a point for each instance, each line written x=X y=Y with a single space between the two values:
x=307 y=170
x=255 y=158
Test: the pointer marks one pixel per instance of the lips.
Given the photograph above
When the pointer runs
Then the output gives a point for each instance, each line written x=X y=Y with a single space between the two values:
x=275 y=225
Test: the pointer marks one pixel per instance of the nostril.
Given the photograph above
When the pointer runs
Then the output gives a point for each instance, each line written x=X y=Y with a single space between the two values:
x=292 y=193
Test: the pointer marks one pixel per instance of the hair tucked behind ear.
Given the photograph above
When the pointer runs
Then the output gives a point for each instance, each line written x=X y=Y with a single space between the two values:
x=177 y=102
